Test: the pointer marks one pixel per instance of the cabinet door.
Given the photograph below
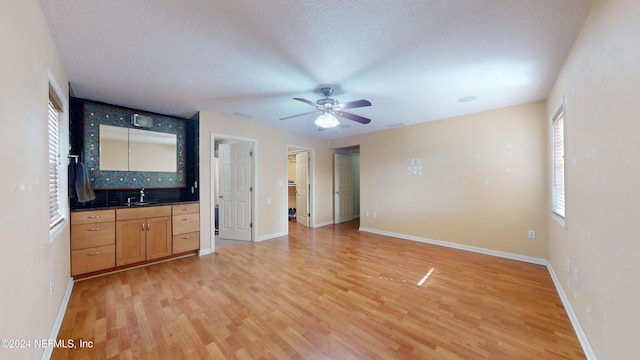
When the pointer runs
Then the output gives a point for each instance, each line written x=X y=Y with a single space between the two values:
x=130 y=242
x=159 y=237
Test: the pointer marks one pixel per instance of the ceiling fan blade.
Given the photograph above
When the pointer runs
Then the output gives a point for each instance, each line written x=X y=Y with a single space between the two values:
x=355 y=104
x=354 y=117
x=306 y=101
x=292 y=116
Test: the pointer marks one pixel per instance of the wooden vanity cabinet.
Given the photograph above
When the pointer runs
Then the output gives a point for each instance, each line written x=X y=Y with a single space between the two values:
x=93 y=244
x=186 y=227
x=143 y=234
x=103 y=240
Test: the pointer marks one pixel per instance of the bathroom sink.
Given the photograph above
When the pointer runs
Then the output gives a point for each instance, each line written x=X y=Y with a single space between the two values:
x=138 y=203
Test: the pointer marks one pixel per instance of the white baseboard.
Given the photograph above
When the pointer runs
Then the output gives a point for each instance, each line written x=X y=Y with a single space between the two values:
x=323 y=224
x=46 y=354
x=502 y=254
x=203 y=252
x=271 y=236
x=582 y=337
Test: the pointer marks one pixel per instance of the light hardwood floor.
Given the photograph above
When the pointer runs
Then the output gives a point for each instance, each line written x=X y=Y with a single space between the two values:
x=327 y=293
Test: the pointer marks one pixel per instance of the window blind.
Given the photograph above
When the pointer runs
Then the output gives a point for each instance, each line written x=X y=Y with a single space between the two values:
x=55 y=163
x=558 y=198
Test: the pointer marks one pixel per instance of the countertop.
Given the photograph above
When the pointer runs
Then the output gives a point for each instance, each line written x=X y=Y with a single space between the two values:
x=151 y=203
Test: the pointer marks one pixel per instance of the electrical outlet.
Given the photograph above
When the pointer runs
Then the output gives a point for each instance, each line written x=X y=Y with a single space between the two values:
x=532 y=234
x=366 y=213
x=373 y=214
x=51 y=287
x=575 y=275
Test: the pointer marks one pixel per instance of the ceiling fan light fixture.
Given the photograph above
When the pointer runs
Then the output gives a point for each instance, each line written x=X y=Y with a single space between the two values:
x=327 y=120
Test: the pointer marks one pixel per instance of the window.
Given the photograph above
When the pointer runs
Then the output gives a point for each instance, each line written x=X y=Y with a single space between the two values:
x=557 y=191
x=55 y=160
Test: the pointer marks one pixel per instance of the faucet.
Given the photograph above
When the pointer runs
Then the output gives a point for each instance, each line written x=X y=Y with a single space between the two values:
x=142 y=195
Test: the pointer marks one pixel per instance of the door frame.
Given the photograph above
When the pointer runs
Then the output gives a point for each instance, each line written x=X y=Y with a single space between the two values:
x=350 y=151
x=312 y=183
x=254 y=181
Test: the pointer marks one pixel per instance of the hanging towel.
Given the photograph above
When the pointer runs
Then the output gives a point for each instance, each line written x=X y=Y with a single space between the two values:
x=72 y=179
x=83 y=184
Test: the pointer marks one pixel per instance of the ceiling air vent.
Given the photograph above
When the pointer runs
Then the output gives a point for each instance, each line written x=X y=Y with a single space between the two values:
x=243 y=115
x=395 y=125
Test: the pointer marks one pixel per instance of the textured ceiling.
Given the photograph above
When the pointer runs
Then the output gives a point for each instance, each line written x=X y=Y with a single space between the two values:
x=413 y=59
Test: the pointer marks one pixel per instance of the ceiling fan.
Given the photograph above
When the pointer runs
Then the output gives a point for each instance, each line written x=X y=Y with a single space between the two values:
x=330 y=108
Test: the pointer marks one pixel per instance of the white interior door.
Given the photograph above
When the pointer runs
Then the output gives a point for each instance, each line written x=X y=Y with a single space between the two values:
x=343 y=187
x=302 y=189
x=235 y=211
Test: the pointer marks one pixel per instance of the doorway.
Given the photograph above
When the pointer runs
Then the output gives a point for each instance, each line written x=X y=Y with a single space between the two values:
x=232 y=189
x=300 y=185
x=346 y=184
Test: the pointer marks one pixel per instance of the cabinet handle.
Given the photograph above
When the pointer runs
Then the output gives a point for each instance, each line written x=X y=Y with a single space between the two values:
x=186 y=209
x=187 y=237
x=94 y=229
x=94 y=253
x=94 y=217
x=186 y=219
x=142 y=226
x=148 y=227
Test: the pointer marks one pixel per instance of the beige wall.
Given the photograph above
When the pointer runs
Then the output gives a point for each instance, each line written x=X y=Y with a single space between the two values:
x=292 y=171
x=272 y=174
x=27 y=258
x=600 y=80
x=483 y=180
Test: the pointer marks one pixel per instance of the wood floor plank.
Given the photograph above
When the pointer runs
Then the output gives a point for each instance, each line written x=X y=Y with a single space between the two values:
x=326 y=293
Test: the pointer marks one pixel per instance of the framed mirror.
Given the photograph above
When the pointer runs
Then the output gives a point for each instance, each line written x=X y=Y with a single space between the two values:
x=114 y=148
x=152 y=151
x=125 y=149
x=121 y=156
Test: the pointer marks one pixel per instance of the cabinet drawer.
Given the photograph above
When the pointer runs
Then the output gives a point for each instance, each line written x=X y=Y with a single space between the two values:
x=186 y=242
x=94 y=216
x=93 y=259
x=91 y=235
x=186 y=209
x=143 y=212
x=186 y=223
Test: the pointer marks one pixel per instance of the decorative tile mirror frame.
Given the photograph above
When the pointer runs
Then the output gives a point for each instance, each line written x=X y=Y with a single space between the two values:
x=96 y=114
